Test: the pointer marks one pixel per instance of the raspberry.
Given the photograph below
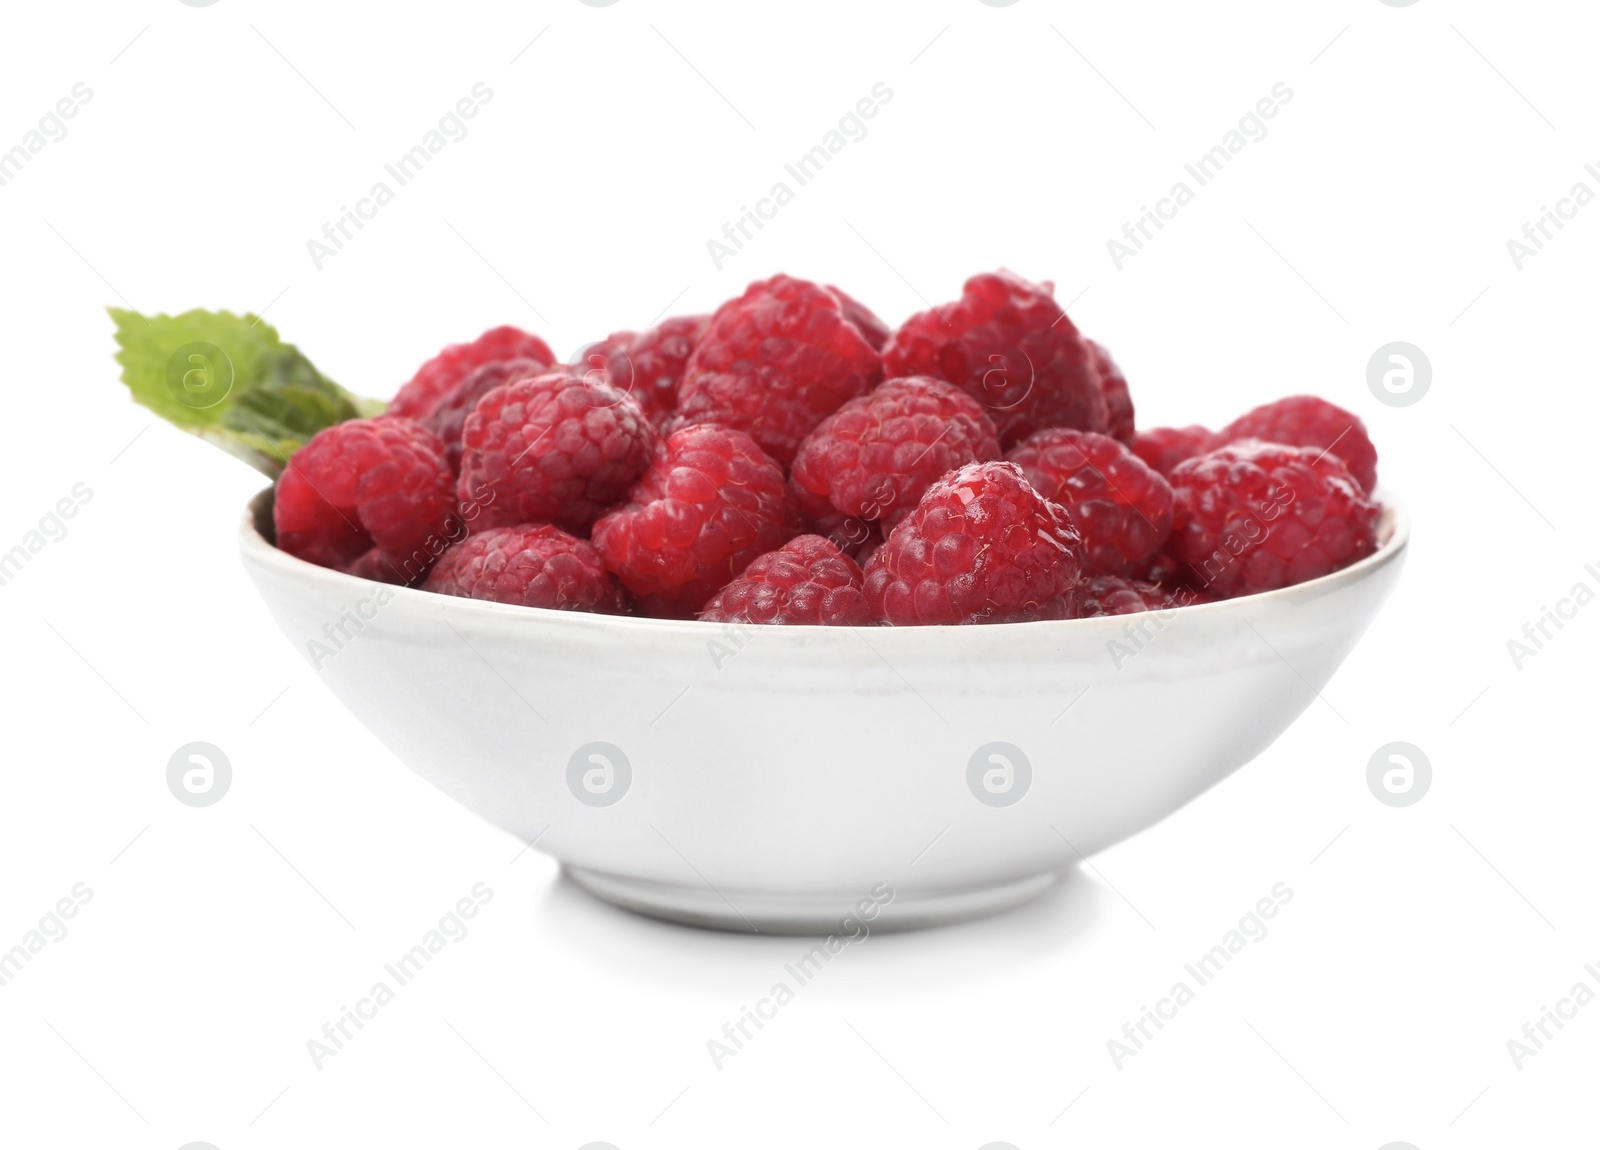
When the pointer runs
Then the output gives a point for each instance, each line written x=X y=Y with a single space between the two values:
x=1306 y=421
x=1009 y=345
x=872 y=329
x=1122 y=508
x=535 y=566
x=1254 y=516
x=649 y=365
x=1163 y=448
x=1114 y=595
x=371 y=497
x=551 y=449
x=874 y=457
x=435 y=379
x=710 y=502
x=449 y=415
x=807 y=581
x=1114 y=386
x=775 y=362
x=981 y=547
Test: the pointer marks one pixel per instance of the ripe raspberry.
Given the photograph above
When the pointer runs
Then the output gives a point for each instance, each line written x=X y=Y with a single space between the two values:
x=981 y=547
x=370 y=497
x=435 y=379
x=551 y=449
x=1114 y=386
x=807 y=581
x=1114 y=595
x=872 y=329
x=1122 y=509
x=710 y=502
x=649 y=365
x=1009 y=345
x=875 y=456
x=534 y=566
x=1163 y=448
x=1254 y=516
x=775 y=362
x=1306 y=421
x=449 y=415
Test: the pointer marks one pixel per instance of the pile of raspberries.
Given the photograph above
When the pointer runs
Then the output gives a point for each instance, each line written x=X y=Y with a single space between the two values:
x=789 y=459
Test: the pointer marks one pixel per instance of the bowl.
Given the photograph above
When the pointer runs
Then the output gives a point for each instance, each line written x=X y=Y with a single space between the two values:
x=805 y=779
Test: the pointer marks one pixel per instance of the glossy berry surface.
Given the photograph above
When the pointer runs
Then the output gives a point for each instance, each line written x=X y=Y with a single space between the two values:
x=874 y=457
x=440 y=375
x=534 y=566
x=1257 y=516
x=1306 y=421
x=649 y=365
x=1163 y=448
x=550 y=449
x=775 y=363
x=806 y=581
x=370 y=497
x=709 y=503
x=982 y=547
x=1009 y=345
x=1122 y=508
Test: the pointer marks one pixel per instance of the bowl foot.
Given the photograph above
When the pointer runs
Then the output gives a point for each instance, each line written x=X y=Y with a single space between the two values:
x=761 y=912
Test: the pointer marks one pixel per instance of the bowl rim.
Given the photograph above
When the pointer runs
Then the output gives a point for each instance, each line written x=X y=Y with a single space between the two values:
x=1394 y=527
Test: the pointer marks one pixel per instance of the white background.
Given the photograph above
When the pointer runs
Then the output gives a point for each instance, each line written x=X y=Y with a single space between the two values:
x=218 y=941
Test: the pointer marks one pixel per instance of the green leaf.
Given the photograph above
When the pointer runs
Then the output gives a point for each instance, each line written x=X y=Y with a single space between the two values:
x=230 y=380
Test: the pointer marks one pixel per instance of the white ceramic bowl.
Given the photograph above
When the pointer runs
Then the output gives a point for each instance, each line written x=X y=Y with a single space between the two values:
x=791 y=778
